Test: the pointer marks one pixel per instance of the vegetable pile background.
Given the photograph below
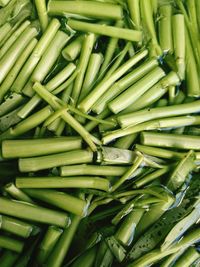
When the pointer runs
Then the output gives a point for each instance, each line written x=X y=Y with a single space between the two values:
x=99 y=132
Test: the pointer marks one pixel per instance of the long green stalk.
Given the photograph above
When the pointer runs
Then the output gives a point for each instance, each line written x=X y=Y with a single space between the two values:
x=152 y=125
x=42 y=13
x=36 y=55
x=134 y=92
x=170 y=140
x=55 y=160
x=86 y=51
x=16 y=193
x=38 y=147
x=97 y=10
x=122 y=84
x=50 y=56
x=111 y=31
x=179 y=43
x=47 y=244
x=10 y=103
x=8 y=81
x=156 y=113
x=61 y=182
x=84 y=169
x=154 y=93
x=103 y=86
x=31 y=212
x=165 y=29
x=54 y=84
x=62 y=246
x=15 y=226
x=186 y=260
x=92 y=72
x=134 y=9
x=13 y=37
x=61 y=200
x=11 y=56
x=72 y=50
x=27 y=124
x=57 y=104
x=4 y=30
x=11 y=244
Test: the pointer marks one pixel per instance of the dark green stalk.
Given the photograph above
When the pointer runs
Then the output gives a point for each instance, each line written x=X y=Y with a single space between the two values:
x=11 y=244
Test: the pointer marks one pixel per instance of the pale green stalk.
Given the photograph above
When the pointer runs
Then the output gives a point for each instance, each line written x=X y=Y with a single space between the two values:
x=170 y=140
x=62 y=246
x=13 y=37
x=47 y=244
x=102 y=29
x=165 y=29
x=188 y=257
x=152 y=125
x=93 y=9
x=27 y=89
x=147 y=17
x=72 y=50
x=179 y=43
x=119 y=58
x=61 y=200
x=11 y=244
x=134 y=9
x=126 y=141
x=16 y=193
x=86 y=51
x=36 y=55
x=84 y=169
x=38 y=147
x=61 y=182
x=134 y=92
x=56 y=103
x=151 y=177
x=92 y=72
x=137 y=117
x=11 y=56
x=27 y=124
x=154 y=93
x=42 y=13
x=15 y=226
x=33 y=213
x=55 y=160
x=103 y=86
x=52 y=85
x=181 y=172
x=192 y=75
x=8 y=81
x=50 y=56
x=122 y=84
x=4 y=30
x=10 y=103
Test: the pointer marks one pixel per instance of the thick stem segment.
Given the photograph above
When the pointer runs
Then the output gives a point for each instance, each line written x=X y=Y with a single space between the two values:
x=103 y=86
x=32 y=212
x=97 y=10
x=11 y=244
x=61 y=200
x=42 y=13
x=55 y=160
x=36 y=55
x=170 y=140
x=11 y=56
x=134 y=92
x=137 y=117
x=61 y=182
x=102 y=29
x=38 y=147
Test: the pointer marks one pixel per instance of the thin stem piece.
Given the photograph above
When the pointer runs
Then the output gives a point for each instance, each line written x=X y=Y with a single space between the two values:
x=42 y=13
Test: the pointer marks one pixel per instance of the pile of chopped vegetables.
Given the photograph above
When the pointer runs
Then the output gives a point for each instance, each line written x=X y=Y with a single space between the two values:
x=100 y=133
